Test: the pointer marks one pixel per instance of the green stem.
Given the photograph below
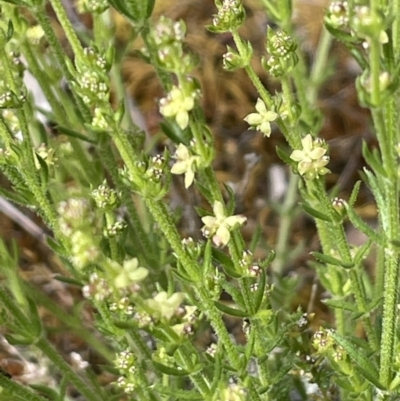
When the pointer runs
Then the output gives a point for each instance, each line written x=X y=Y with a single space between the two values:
x=59 y=53
x=318 y=70
x=265 y=96
x=71 y=321
x=18 y=390
x=66 y=370
x=285 y=223
x=68 y=28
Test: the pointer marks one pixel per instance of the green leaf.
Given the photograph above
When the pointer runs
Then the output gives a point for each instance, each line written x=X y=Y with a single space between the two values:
x=56 y=247
x=169 y=370
x=173 y=132
x=74 y=134
x=373 y=159
x=259 y=295
x=354 y=193
x=361 y=360
x=207 y=262
x=35 y=327
x=340 y=304
x=47 y=391
x=226 y=263
x=315 y=213
x=230 y=311
x=330 y=260
x=182 y=276
x=285 y=157
x=68 y=280
x=179 y=394
x=17 y=339
x=362 y=252
x=358 y=223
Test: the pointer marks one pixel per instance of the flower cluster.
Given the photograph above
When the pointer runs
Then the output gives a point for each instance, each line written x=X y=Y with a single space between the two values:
x=282 y=53
x=338 y=14
x=261 y=120
x=125 y=363
x=91 y=79
x=219 y=226
x=92 y=6
x=169 y=36
x=312 y=159
x=105 y=197
x=230 y=16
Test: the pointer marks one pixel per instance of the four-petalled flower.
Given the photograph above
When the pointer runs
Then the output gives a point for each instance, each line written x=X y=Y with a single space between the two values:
x=261 y=120
x=219 y=226
x=185 y=164
x=177 y=104
x=311 y=159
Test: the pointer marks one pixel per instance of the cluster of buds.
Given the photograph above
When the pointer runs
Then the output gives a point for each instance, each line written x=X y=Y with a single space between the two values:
x=97 y=288
x=233 y=392
x=232 y=60
x=179 y=101
x=312 y=159
x=123 y=305
x=219 y=226
x=92 y=6
x=46 y=154
x=105 y=197
x=169 y=36
x=115 y=229
x=193 y=248
x=125 y=363
x=282 y=53
x=76 y=221
x=325 y=345
x=338 y=15
x=362 y=23
x=92 y=81
x=230 y=16
x=150 y=178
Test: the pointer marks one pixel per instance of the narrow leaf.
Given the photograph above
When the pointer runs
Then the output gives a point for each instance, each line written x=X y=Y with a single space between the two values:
x=330 y=260
x=340 y=304
x=315 y=213
x=168 y=370
x=354 y=193
x=74 y=134
x=230 y=311
x=358 y=223
x=373 y=160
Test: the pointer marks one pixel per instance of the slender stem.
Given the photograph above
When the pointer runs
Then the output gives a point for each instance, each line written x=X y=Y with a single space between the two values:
x=15 y=389
x=318 y=70
x=285 y=223
x=66 y=370
x=68 y=28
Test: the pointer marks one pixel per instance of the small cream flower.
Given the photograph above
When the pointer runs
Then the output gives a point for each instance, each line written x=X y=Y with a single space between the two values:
x=130 y=273
x=185 y=164
x=165 y=305
x=311 y=159
x=261 y=120
x=219 y=226
x=177 y=105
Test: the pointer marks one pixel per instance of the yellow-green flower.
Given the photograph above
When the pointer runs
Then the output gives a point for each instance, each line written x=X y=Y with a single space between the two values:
x=311 y=159
x=261 y=120
x=185 y=164
x=219 y=226
x=177 y=104
x=165 y=306
x=130 y=273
